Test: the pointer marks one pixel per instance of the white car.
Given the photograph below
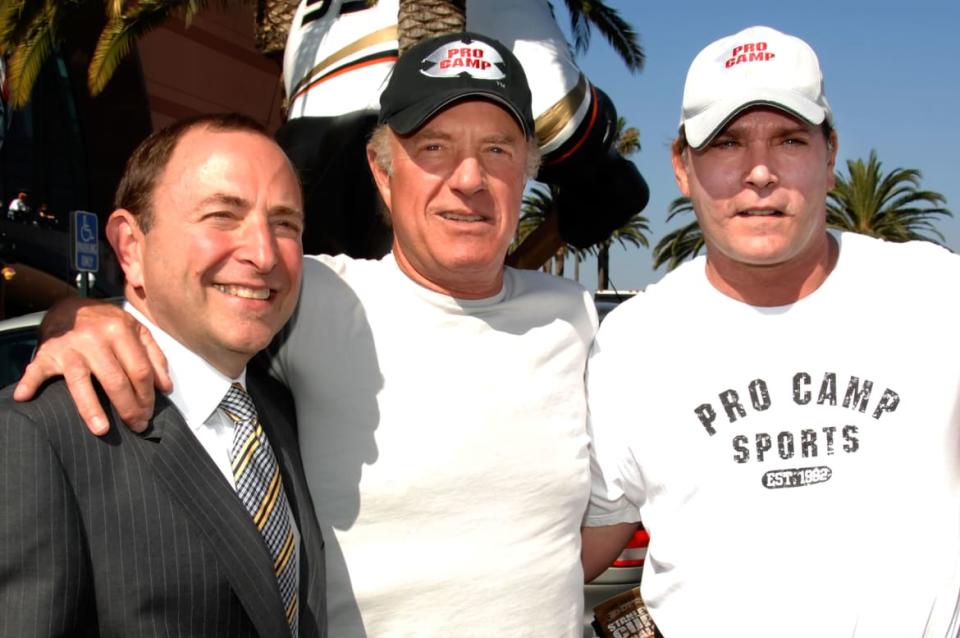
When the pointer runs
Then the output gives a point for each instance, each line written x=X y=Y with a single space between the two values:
x=18 y=340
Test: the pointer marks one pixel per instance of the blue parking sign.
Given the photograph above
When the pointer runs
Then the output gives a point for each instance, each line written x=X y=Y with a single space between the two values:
x=86 y=244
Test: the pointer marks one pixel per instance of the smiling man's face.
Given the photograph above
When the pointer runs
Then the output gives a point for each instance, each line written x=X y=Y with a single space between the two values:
x=219 y=268
x=454 y=196
x=759 y=189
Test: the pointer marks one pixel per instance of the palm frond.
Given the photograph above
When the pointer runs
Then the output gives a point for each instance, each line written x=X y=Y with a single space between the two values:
x=537 y=205
x=681 y=244
x=30 y=54
x=678 y=246
x=890 y=206
x=113 y=8
x=618 y=32
x=16 y=19
x=634 y=232
x=120 y=34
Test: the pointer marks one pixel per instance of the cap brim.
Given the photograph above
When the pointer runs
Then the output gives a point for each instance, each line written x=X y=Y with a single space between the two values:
x=414 y=117
x=702 y=127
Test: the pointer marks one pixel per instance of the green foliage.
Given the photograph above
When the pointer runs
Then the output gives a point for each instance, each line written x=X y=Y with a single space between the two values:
x=890 y=206
x=16 y=18
x=681 y=244
x=627 y=140
x=633 y=233
x=621 y=36
x=32 y=29
x=537 y=206
x=39 y=40
x=121 y=33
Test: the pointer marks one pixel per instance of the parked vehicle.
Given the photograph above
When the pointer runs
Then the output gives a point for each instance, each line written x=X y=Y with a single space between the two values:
x=18 y=340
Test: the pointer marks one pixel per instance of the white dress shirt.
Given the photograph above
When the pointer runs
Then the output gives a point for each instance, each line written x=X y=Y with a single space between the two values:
x=198 y=388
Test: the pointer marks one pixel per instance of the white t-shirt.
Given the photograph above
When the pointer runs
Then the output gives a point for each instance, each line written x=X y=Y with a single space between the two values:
x=798 y=467
x=445 y=446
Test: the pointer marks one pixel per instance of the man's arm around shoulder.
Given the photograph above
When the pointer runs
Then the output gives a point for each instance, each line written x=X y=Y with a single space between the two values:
x=83 y=339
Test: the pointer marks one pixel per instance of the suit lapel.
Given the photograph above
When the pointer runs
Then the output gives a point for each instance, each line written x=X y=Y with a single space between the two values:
x=275 y=406
x=193 y=479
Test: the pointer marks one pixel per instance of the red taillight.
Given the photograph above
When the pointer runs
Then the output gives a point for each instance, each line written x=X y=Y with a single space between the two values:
x=635 y=551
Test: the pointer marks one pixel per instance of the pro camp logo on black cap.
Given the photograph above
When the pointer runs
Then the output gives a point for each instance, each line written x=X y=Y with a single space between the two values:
x=437 y=73
x=476 y=59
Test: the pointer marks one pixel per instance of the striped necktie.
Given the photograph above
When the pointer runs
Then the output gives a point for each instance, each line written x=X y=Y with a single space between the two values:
x=260 y=488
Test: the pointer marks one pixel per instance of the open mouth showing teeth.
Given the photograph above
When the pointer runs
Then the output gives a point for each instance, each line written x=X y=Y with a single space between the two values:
x=243 y=291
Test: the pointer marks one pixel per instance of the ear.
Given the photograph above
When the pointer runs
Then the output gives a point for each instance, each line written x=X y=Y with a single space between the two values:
x=832 y=148
x=679 y=160
x=380 y=176
x=124 y=234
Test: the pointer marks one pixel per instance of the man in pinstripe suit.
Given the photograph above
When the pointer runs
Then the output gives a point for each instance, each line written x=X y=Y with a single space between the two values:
x=144 y=534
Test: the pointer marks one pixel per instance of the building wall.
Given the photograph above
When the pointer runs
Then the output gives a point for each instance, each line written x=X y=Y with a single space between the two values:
x=210 y=66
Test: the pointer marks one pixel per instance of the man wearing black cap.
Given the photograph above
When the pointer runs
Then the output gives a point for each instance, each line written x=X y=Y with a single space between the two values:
x=439 y=395
x=796 y=466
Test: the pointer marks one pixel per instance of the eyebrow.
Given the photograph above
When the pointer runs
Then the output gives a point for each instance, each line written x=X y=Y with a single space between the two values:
x=236 y=201
x=428 y=133
x=286 y=211
x=501 y=138
x=225 y=199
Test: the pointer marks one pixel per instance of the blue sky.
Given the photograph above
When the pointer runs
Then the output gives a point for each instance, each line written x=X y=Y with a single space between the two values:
x=892 y=75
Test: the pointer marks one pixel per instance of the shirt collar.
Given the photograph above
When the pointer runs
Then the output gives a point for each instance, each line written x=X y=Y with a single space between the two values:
x=198 y=387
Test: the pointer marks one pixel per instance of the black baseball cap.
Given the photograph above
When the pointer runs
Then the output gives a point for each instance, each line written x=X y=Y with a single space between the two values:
x=436 y=73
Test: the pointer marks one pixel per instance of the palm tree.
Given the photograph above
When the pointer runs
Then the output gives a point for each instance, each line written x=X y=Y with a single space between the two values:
x=32 y=29
x=890 y=206
x=536 y=207
x=536 y=210
x=681 y=244
x=422 y=19
x=272 y=21
x=585 y=14
x=634 y=231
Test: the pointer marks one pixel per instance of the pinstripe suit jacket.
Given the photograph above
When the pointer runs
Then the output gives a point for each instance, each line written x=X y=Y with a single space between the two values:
x=141 y=535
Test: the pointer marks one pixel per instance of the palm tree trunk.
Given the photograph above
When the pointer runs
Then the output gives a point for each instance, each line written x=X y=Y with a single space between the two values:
x=422 y=19
x=603 y=266
x=272 y=25
x=417 y=20
x=576 y=266
x=560 y=259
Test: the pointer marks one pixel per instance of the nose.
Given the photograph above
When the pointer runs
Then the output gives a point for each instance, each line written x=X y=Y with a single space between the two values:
x=760 y=170
x=468 y=176
x=258 y=243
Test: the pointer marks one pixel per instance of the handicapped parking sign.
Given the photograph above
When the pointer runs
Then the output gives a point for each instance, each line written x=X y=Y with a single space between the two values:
x=86 y=244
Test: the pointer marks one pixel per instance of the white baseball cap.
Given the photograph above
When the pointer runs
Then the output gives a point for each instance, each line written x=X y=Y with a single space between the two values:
x=757 y=66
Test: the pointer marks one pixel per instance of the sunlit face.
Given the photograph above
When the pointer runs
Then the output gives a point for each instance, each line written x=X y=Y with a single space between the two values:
x=219 y=269
x=454 y=196
x=759 y=190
